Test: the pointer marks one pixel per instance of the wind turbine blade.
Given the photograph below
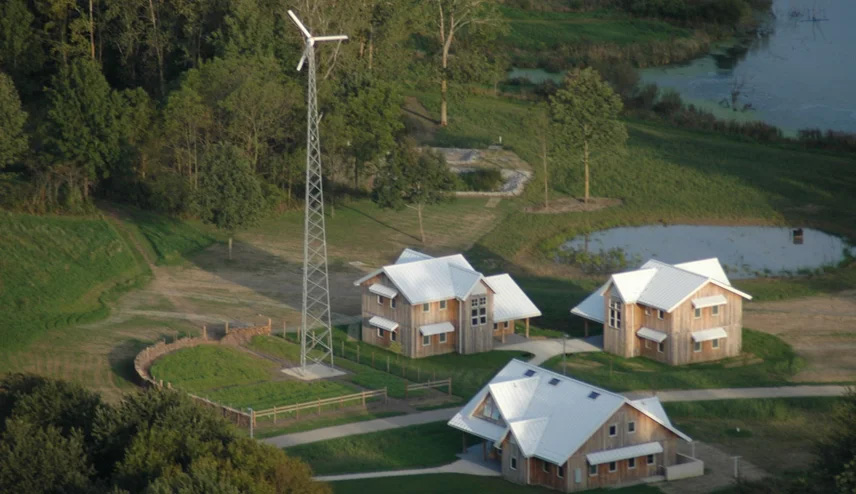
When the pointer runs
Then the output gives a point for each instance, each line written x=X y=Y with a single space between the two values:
x=303 y=57
x=339 y=37
x=298 y=23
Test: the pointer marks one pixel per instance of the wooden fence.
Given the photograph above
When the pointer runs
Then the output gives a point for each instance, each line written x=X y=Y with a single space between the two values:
x=319 y=404
x=429 y=385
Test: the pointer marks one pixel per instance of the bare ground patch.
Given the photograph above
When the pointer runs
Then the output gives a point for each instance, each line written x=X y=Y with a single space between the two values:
x=574 y=205
x=822 y=330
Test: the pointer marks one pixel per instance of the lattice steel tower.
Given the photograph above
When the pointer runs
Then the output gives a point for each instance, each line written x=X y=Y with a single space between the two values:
x=316 y=342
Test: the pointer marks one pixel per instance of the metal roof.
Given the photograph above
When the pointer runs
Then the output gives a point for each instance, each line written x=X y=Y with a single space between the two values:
x=547 y=421
x=383 y=323
x=383 y=290
x=438 y=328
x=709 y=334
x=421 y=279
x=652 y=334
x=509 y=301
x=592 y=307
x=624 y=453
x=702 y=302
x=658 y=285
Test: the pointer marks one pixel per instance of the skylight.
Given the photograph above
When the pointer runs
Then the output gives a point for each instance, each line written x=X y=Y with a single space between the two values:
x=554 y=381
x=529 y=373
x=593 y=395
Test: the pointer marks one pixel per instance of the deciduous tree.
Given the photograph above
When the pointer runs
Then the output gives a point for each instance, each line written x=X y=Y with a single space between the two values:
x=13 y=141
x=413 y=179
x=229 y=196
x=585 y=111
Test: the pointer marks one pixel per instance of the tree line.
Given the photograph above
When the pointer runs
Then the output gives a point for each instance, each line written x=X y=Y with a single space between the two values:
x=154 y=102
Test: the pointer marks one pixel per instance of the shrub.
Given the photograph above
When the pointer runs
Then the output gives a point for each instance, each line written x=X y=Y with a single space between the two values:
x=482 y=180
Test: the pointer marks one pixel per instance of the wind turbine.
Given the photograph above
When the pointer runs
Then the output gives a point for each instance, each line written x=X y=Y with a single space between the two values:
x=316 y=341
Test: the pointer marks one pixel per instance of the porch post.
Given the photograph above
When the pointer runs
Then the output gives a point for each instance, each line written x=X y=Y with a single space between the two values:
x=527 y=327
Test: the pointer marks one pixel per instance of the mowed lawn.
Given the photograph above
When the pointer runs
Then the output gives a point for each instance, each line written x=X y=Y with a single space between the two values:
x=418 y=446
x=232 y=377
x=450 y=483
x=766 y=361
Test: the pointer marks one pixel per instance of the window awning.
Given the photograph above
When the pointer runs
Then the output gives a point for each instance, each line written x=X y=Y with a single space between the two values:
x=383 y=323
x=439 y=328
x=702 y=302
x=624 y=453
x=383 y=290
x=652 y=334
x=709 y=334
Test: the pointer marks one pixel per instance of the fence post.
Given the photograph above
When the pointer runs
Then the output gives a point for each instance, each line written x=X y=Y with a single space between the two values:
x=363 y=396
x=270 y=325
x=251 y=422
x=204 y=332
x=227 y=327
x=274 y=414
x=319 y=406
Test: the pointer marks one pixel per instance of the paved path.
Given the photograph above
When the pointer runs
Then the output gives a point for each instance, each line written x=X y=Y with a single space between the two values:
x=544 y=349
x=741 y=393
x=325 y=433
x=470 y=463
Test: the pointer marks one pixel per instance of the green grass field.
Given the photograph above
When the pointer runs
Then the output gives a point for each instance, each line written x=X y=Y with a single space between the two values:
x=58 y=271
x=775 y=434
x=231 y=377
x=416 y=446
x=778 y=364
x=450 y=483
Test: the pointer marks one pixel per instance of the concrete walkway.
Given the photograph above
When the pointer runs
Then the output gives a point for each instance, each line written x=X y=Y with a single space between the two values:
x=470 y=463
x=740 y=393
x=376 y=425
x=545 y=349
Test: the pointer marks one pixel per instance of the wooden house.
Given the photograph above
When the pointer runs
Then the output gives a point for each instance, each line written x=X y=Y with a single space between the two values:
x=430 y=306
x=676 y=314
x=550 y=430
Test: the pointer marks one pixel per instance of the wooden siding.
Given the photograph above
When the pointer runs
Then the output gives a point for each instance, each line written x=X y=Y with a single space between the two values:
x=434 y=315
x=476 y=339
x=549 y=479
x=509 y=451
x=370 y=307
x=647 y=430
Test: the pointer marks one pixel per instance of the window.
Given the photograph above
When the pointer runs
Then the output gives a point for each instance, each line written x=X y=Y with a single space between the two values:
x=592 y=470
x=426 y=307
x=613 y=430
x=661 y=314
x=631 y=427
x=631 y=463
x=647 y=344
x=697 y=313
x=490 y=410
x=426 y=340
x=696 y=346
x=514 y=463
x=560 y=472
x=392 y=303
x=505 y=325
x=615 y=313
x=379 y=333
x=478 y=311
x=714 y=311
x=714 y=343
x=613 y=466
x=379 y=300
x=442 y=337
x=495 y=326
x=442 y=305
x=650 y=459
x=661 y=347
x=392 y=335
x=545 y=467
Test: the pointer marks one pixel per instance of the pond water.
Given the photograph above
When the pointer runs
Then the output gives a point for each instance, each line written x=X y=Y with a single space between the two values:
x=799 y=72
x=744 y=251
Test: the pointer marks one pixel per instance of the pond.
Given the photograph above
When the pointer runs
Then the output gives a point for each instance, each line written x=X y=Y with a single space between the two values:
x=535 y=76
x=744 y=251
x=798 y=72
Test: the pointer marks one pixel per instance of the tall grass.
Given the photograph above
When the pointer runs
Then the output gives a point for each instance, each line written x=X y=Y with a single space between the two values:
x=56 y=271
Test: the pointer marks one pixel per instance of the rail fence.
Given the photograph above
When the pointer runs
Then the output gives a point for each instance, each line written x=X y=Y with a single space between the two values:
x=447 y=383
x=317 y=405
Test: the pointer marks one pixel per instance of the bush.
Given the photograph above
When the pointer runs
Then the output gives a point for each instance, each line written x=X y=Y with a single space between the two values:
x=481 y=180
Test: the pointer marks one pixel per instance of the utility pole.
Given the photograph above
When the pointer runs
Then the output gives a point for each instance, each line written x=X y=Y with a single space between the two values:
x=316 y=342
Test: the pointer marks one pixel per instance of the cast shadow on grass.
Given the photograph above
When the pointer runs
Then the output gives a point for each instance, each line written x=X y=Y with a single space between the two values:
x=381 y=223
